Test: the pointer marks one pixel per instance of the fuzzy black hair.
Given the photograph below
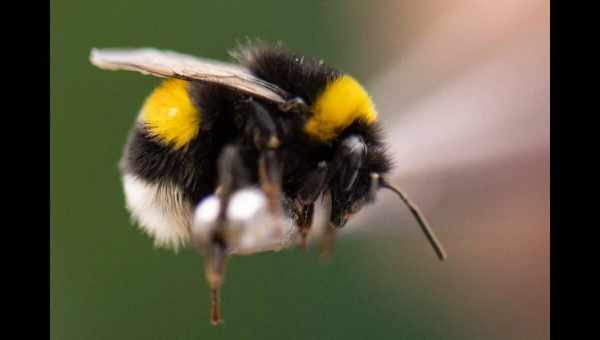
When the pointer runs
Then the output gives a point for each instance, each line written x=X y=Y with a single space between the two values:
x=300 y=76
x=225 y=115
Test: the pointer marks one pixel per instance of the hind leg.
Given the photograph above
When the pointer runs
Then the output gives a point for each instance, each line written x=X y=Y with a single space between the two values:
x=232 y=176
x=261 y=131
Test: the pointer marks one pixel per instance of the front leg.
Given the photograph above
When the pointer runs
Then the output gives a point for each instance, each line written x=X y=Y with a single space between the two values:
x=310 y=190
x=350 y=157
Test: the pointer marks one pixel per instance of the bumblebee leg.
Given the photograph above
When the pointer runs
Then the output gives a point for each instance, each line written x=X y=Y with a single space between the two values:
x=232 y=174
x=267 y=141
x=307 y=195
x=305 y=219
x=262 y=127
x=350 y=157
x=269 y=175
x=329 y=232
x=216 y=259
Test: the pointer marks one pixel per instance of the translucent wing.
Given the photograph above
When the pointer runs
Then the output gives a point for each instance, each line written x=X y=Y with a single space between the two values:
x=170 y=64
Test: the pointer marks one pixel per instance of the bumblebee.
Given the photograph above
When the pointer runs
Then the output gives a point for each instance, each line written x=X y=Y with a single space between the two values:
x=271 y=133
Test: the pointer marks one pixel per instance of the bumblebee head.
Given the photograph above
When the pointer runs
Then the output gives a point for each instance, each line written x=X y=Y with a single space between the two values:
x=359 y=162
x=352 y=189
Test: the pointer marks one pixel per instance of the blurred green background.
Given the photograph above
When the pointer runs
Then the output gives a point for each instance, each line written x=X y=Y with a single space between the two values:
x=107 y=280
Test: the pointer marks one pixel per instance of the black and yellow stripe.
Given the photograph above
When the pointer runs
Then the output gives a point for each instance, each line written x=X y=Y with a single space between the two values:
x=337 y=100
x=169 y=114
x=341 y=103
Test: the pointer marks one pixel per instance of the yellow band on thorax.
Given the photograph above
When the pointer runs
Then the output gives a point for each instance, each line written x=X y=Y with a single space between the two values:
x=342 y=102
x=170 y=115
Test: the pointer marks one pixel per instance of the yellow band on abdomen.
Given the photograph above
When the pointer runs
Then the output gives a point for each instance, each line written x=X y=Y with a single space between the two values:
x=169 y=114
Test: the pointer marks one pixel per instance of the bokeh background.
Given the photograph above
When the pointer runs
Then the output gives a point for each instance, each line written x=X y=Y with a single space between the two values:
x=462 y=87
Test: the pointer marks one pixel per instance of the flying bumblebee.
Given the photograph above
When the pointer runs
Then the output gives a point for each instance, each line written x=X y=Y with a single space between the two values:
x=232 y=158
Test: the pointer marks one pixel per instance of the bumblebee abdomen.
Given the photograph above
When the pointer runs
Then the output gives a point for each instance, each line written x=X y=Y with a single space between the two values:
x=169 y=114
x=180 y=131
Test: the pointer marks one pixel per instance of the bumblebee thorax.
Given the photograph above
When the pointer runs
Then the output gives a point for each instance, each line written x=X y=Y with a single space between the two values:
x=340 y=104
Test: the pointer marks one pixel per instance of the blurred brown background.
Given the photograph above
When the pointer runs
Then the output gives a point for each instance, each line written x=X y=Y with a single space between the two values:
x=466 y=94
x=462 y=87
